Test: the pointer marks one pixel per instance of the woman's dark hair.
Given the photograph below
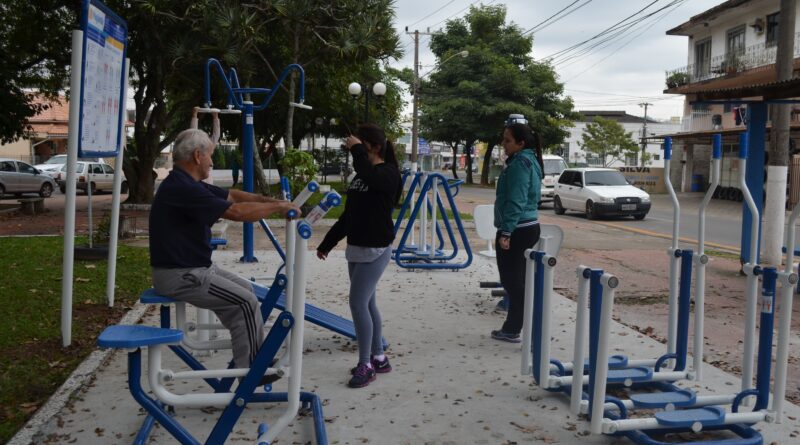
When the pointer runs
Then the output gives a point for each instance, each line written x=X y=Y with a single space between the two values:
x=376 y=137
x=531 y=141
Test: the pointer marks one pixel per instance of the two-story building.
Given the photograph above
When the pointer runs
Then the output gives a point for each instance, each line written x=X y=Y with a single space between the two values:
x=731 y=50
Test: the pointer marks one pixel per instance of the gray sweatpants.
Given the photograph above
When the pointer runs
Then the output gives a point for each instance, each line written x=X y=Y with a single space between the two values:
x=229 y=296
x=364 y=279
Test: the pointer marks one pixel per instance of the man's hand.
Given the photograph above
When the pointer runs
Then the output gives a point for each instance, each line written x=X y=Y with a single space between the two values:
x=322 y=255
x=505 y=242
x=286 y=207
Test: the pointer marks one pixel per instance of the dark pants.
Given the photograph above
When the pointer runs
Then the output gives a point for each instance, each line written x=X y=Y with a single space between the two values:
x=511 y=265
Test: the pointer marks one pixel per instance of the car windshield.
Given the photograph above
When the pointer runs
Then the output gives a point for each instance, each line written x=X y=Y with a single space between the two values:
x=78 y=168
x=605 y=178
x=554 y=166
x=56 y=160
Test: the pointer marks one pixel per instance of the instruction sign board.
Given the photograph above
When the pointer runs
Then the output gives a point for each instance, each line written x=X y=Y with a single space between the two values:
x=102 y=101
x=422 y=147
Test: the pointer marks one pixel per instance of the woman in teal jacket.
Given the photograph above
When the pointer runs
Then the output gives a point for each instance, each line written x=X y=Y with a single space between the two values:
x=516 y=219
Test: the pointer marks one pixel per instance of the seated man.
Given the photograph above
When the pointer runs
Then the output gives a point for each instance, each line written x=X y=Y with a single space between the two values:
x=183 y=211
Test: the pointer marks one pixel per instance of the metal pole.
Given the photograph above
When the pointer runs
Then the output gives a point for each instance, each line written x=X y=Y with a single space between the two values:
x=672 y=327
x=113 y=238
x=366 y=103
x=248 y=142
x=415 y=109
x=69 y=204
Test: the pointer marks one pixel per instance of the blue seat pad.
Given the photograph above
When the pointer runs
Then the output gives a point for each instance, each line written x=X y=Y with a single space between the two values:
x=637 y=374
x=135 y=336
x=678 y=399
x=707 y=416
x=151 y=297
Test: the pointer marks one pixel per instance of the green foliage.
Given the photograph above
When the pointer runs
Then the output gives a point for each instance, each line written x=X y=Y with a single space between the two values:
x=32 y=362
x=467 y=100
x=608 y=139
x=677 y=79
x=220 y=159
x=102 y=233
x=35 y=53
x=299 y=167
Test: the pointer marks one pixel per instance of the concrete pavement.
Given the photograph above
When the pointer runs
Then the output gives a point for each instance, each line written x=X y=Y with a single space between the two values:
x=451 y=383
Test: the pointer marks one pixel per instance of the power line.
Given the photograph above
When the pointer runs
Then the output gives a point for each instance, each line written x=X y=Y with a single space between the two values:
x=600 y=34
x=540 y=26
x=434 y=12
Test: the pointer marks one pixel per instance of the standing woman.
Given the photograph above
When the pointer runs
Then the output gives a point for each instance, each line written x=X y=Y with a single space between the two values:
x=367 y=224
x=516 y=219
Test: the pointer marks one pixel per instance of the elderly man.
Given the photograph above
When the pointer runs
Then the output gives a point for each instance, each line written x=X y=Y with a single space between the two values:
x=183 y=211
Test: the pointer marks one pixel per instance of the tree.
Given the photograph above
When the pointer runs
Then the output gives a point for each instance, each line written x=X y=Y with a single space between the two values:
x=466 y=100
x=607 y=138
x=34 y=49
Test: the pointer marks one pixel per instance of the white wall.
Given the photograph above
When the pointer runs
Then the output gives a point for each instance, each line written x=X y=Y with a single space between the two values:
x=577 y=154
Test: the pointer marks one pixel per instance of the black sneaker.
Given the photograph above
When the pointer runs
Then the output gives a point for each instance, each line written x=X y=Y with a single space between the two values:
x=381 y=367
x=504 y=336
x=362 y=376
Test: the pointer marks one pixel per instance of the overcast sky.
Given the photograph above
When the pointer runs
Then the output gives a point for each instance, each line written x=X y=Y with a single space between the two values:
x=605 y=78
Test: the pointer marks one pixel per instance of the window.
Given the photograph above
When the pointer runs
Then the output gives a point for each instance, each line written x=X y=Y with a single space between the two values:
x=97 y=169
x=25 y=168
x=702 y=58
x=108 y=169
x=566 y=177
x=554 y=166
x=656 y=157
x=7 y=166
x=772 y=29
x=606 y=177
x=734 y=50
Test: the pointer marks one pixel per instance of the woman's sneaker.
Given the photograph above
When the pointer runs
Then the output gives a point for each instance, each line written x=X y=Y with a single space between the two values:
x=381 y=367
x=504 y=336
x=362 y=375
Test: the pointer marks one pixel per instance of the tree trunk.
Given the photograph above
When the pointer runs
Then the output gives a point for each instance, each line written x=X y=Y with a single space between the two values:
x=258 y=169
x=290 y=112
x=468 y=162
x=487 y=165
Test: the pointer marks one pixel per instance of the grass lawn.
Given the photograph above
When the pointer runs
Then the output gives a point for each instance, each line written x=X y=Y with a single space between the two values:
x=33 y=363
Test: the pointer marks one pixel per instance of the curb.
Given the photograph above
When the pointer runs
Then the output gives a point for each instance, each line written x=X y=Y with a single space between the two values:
x=76 y=381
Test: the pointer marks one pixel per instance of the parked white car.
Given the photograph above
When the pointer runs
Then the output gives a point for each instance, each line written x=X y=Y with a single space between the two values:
x=17 y=177
x=599 y=192
x=101 y=176
x=553 y=166
x=53 y=165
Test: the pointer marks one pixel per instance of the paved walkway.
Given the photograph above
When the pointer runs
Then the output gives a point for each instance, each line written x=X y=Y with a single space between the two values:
x=452 y=384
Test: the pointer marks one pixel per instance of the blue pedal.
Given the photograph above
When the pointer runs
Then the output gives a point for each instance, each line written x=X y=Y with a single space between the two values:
x=686 y=418
x=136 y=336
x=614 y=362
x=638 y=374
x=656 y=400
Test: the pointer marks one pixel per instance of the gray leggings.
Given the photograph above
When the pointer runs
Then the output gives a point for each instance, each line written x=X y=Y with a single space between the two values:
x=364 y=279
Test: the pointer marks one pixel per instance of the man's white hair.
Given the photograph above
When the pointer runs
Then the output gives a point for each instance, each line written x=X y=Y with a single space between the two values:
x=188 y=141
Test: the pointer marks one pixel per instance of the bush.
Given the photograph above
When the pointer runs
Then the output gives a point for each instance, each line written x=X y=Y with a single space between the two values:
x=299 y=167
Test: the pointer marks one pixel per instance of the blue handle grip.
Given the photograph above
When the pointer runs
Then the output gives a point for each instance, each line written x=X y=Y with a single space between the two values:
x=667 y=148
x=333 y=199
x=744 y=141
x=313 y=186
x=717 y=151
x=304 y=230
x=292 y=214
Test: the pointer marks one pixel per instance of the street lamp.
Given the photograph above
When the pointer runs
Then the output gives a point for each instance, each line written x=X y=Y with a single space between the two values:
x=378 y=89
x=415 y=112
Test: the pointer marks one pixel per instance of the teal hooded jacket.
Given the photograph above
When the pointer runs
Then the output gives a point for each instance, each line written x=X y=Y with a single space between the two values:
x=519 y=190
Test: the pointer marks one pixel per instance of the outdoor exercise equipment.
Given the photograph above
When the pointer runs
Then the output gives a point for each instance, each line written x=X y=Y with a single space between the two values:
x=429 y=255
x=136 y=337
x=239 y=99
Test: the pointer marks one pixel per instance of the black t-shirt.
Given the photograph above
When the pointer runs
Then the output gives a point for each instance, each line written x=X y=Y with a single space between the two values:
x=367 y=217
x=181 y=217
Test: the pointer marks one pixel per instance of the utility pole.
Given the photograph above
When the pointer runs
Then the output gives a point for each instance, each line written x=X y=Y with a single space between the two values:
x=644 y=130
x=415 y=93
x=777 y=168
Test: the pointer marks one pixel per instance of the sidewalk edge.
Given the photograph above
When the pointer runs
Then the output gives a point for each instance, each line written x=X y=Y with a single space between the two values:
x=74 y=383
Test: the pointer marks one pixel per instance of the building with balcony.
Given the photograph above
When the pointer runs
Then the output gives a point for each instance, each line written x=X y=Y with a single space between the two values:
x=731 y=53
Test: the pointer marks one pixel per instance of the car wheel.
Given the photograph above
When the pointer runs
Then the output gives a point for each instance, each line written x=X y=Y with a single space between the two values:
x=2 y=192
x=124 y=187
x=557 y=207
x=590 y=211
x=46 y=190
x=63 y=189
x=639 y=216
x=93 y=188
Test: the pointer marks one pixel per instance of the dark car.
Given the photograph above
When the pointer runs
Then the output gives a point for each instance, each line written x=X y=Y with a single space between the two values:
x=330 y=169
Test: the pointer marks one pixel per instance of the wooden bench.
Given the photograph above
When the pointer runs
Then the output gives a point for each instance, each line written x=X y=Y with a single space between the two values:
x=31 y=206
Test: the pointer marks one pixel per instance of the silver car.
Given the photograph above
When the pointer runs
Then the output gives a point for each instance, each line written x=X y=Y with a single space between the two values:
x=17 y=177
